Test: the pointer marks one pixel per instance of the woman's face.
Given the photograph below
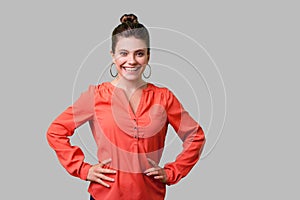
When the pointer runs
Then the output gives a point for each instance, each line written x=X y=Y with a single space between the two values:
x=130 y=58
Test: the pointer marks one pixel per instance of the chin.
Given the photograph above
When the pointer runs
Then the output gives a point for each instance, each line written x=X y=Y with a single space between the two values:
x=131 y=78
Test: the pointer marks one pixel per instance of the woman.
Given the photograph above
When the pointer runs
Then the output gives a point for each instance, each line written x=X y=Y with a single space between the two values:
x=129 y=119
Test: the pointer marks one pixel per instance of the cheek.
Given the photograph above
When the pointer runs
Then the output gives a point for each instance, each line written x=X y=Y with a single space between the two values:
x=143 y=61
x=120 y=61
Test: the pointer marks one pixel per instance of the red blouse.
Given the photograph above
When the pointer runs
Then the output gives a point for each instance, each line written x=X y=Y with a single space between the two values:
x=127 y=138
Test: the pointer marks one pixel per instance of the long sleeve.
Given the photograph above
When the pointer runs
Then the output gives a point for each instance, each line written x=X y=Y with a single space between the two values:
x=72 y=157
x=192 y=136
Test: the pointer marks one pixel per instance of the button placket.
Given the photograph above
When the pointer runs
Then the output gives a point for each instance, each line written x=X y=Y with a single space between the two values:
x=135 y=128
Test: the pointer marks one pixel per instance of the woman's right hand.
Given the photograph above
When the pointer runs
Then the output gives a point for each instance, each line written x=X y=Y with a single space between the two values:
x=97 y=173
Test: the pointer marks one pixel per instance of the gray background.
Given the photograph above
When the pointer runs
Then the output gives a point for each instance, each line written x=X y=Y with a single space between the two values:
x=254 y=44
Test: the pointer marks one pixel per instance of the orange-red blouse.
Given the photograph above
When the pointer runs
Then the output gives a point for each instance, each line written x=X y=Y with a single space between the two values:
x=128 y=139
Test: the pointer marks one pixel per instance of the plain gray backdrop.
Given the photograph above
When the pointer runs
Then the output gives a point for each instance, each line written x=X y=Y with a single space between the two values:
x=255 y=45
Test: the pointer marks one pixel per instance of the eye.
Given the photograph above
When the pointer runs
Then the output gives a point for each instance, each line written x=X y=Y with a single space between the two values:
x=140 y=54
x=123 y=53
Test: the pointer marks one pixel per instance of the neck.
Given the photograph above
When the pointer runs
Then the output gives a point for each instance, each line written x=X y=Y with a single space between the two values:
x=128 y=85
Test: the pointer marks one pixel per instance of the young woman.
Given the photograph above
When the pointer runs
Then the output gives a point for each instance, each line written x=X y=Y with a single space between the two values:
x=129 y=118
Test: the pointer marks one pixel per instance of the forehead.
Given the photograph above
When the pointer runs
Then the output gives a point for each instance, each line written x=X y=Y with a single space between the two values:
x=130 y=43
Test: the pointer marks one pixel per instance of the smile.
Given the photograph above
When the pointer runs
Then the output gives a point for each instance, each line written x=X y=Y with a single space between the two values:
x=131 y=69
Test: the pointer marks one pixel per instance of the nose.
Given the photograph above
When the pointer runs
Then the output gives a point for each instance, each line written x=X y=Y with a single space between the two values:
x=131 y=59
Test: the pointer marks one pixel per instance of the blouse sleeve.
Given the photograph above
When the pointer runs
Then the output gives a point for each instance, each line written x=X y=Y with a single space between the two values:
x=72 y=157
x=190 y=133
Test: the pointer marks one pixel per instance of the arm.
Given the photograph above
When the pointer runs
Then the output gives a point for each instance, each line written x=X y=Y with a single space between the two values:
x=72 y=157
x=192 y=136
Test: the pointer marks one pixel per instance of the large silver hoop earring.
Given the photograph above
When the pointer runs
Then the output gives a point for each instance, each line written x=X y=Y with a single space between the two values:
x=146 y=77
x=111 y=71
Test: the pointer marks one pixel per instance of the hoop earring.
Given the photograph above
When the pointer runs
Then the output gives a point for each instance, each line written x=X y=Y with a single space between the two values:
x=146 y=77
x=111 y=71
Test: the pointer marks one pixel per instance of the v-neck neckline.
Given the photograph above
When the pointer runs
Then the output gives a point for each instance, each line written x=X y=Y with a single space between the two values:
x=139 y=107
x=139 y=104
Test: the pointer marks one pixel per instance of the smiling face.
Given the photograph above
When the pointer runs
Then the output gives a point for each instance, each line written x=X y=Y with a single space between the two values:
x=131 y=58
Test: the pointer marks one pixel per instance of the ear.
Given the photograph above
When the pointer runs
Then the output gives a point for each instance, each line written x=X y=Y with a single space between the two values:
x=148 y=57
x=112 y=55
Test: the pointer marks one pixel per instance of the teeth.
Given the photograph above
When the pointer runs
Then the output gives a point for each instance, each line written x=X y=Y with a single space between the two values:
x=131 y=69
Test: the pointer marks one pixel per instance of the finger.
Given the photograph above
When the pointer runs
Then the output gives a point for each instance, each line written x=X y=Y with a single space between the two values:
x=150 y=170
x=104 y=162
x=98 y=180
x=106 y=178
x=161 y=177
x=106 y=171
x=152 y=162
x=152 y=173
x=156 y=172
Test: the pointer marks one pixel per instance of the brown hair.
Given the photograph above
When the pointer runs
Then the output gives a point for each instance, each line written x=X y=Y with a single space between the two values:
x=130 y=27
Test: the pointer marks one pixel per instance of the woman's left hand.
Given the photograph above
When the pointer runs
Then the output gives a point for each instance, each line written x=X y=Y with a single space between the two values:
x=156 y=171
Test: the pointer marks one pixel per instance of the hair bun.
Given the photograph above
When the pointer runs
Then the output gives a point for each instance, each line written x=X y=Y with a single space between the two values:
x=129 y=18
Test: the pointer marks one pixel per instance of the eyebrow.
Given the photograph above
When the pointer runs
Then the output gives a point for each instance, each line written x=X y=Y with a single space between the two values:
x=134 y=50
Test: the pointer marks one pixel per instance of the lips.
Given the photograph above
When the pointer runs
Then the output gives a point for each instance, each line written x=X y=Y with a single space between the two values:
x=131 y=69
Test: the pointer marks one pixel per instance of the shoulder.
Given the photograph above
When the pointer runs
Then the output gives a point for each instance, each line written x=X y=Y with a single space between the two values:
x=103 y=91
x=163 y=93
x=102 y=88
x=95 y=92
x=163 y=90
